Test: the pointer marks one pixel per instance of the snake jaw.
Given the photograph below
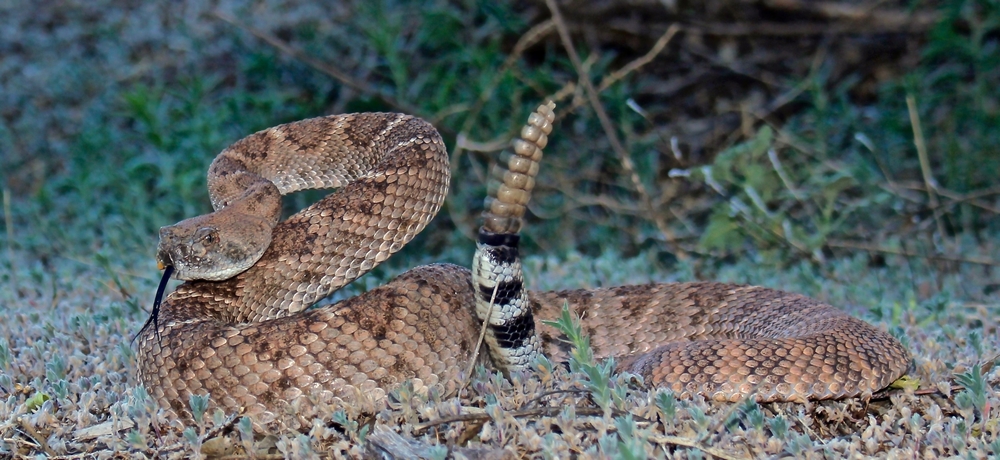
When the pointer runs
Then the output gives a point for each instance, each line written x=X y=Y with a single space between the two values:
x=163 y=259
x=200 y=250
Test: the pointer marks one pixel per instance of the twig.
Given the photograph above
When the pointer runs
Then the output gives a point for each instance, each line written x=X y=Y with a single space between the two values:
x=210 y=433
x=385 y=443
x=420 y=428
x=328 y=69
x=776 y=163
x=972 y=198
x=30 y=432
x=995 y=190
x=498 y=143
x=532 y=36
x=925 y=165
x=898 y=252
x=256 y=457
x=529 y=38
x=778 y=102
x=778 y=29
x=609 y=130
x=104 y=453
x=536 y=412
x=679 y=441
x=889 y=18
x=573 y=391
x=617 y=75
x=586 y=412
x=788 y=96
x=642 y=60
x=954 y=197
x=482 y=337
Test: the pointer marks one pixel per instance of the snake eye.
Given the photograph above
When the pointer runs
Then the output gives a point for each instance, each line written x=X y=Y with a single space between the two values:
x=207 y=236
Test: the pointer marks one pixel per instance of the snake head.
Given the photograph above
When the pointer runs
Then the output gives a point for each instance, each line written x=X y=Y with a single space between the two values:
x=214 y=246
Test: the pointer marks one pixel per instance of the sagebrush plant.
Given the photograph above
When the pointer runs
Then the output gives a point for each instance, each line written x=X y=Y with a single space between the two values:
x=581 y=360
x=975 y=389
x=607 y=389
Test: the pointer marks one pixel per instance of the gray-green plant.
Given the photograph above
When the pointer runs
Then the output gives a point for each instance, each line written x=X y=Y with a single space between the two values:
x=976 y=342
x=752 y=414
x=974 y=390
x=701 y=420
x=798 y=445
x=599 y=375
x=55 y=368
x=353 y=429
x=5 y=357
x=667 y=403
x=779 y=427
x=631 y=439
x=191 y=436
x=245 y=428
x=198 y=405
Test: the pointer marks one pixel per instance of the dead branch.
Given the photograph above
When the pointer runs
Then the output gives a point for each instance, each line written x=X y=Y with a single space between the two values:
x=612 y=135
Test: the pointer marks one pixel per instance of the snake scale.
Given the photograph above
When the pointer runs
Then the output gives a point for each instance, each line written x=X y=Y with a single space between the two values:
x=239 y=329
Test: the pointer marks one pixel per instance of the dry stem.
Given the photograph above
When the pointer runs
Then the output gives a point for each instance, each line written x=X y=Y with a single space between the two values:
x=609 y=130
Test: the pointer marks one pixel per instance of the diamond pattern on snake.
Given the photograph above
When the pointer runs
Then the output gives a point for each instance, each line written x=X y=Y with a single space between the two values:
x=239 y=329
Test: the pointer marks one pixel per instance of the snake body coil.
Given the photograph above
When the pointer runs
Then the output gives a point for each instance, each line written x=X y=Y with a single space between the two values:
x=239 y=330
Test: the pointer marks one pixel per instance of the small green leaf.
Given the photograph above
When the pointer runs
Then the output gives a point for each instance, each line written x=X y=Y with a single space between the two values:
x=906 y=382
x=36 y=400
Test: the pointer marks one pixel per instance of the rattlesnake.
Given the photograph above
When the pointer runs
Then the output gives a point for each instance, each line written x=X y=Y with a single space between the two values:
x=239 y=330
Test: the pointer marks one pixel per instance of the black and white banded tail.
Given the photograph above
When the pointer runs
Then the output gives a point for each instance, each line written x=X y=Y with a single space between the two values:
x=501 y=299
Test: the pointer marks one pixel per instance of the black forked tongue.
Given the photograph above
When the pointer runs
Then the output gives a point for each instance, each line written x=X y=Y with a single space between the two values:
x=154 y=315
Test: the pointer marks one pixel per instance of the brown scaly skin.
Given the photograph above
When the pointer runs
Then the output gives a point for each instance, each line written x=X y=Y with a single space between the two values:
x=222 y=337
x=246 y=342
x=727 y=342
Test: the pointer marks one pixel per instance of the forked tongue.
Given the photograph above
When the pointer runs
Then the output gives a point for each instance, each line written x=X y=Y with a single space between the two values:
x=154 y=315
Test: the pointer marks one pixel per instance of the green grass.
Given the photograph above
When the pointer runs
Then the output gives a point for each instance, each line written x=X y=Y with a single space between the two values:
x=139 y=156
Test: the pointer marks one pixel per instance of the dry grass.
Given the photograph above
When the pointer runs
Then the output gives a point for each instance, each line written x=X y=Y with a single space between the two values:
x=68 y=373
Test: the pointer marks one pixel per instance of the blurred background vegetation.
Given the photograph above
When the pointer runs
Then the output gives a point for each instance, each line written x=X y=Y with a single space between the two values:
x=779 y=131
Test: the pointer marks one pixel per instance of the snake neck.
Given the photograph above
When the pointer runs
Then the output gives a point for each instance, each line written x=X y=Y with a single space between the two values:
x=501 y=299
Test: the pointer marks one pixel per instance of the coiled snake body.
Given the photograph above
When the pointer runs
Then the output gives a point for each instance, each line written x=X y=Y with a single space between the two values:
x=239 y=330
